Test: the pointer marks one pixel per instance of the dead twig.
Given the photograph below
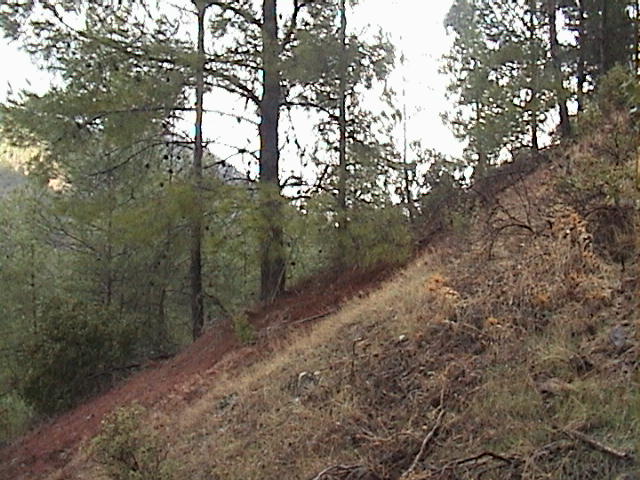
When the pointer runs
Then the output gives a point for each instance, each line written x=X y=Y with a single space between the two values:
x=425 y=444
x=336 y=469
x=298 y=322
x=592 y=442
x=314 y=317
x=477 y=458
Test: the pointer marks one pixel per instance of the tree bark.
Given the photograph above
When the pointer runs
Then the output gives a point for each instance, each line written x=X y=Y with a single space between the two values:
x=408 y=177
x=273 y=258
x=605 y=57
x=636 y=45
x=535 y=144
x=565 y=123
x=342 y=125
x=483 y=162
x=582 y=48
x=195 y=271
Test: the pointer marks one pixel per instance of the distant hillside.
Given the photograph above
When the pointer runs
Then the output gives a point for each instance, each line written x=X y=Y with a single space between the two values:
x=9 y=179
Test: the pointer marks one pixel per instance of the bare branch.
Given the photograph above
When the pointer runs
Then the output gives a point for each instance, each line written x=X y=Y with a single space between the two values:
x=246 y=15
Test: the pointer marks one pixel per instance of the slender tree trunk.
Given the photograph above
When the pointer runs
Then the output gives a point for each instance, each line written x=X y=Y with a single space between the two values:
x=483 y=161
x=195 y=271
x=535 y=145
x=636 y=45
x=582 y=47
x=273 y=255
x=605 y=57
x=405 y=161
x=108 y=261
x=162 y=335
x=33 y=288
x=565 y=123
x=342 y=125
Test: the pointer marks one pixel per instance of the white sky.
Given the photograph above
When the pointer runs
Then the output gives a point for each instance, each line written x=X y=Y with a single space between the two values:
x=416 y=28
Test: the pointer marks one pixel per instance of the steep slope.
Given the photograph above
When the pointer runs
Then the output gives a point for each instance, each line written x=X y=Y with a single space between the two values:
x=178 y=381
x=508 y=349
x=490 y=357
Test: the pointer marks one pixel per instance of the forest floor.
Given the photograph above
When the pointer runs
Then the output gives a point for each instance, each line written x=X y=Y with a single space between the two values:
x=184 y=378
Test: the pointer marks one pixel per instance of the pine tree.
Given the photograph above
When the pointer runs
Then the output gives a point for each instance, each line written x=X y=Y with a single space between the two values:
x=501 y=80
x=126 y=76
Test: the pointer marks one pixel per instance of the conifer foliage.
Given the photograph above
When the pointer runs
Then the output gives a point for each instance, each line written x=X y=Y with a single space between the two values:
x=129 y=235
x=518 y=65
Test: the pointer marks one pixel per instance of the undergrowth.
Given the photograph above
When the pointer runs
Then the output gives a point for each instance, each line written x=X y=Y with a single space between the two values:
x=511 y=353
x=505 y=358
x=127 y=449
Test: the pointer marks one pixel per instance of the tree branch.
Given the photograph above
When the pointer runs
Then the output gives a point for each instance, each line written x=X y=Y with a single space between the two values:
x=247 y=16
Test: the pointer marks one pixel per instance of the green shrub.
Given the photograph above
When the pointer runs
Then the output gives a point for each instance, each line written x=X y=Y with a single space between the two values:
x=245 y=332
x=127 y=450
x=74 y=348
x=379 y=235
x=15 y=417
x=376 y=234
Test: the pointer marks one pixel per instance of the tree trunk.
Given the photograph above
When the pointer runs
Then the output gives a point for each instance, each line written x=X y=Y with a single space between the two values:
x=32 y=287
x=483 y=162
x=408 y=178
x=582 y=48
x=605 y=57
x=342 y=121
x=108 y=251
x=535 y=145
x=565 y=123
x=636 y=45
x=273 y=257
x=195 y=271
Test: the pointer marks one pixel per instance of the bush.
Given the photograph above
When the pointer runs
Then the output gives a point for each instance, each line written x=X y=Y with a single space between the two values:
x=15 y=417
x=128 y=450
x=244 y=330
x=376 y=234
x=603 y=177
x=74 y=348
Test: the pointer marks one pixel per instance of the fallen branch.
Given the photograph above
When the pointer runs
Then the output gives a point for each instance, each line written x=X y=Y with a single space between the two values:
x=599 y=445
x=425 y=444
x=335 y=469
x=477 y=458
x=313 y=317
x=298 y=322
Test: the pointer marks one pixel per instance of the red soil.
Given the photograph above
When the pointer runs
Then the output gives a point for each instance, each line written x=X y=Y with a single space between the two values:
x=182 y=378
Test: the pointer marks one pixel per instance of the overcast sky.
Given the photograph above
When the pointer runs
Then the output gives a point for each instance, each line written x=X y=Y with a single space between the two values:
x=416 y=28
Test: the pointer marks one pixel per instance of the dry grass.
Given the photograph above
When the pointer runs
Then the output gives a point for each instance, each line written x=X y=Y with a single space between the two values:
x=508 y=332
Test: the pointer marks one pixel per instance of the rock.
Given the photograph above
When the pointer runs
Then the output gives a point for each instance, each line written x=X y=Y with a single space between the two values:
x=619 y=338
x=228 y=401
x=554 y=386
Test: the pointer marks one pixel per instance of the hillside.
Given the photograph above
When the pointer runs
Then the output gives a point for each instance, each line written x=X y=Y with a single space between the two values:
x=507 y=349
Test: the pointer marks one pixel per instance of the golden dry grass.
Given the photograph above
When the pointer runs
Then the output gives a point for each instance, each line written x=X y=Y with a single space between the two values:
x=506 y=329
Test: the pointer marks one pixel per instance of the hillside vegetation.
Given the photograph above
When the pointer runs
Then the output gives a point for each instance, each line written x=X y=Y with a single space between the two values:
x=234 y=252
x=507 y=349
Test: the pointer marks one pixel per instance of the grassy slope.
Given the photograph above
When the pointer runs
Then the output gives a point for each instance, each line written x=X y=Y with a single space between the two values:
x=491 y=356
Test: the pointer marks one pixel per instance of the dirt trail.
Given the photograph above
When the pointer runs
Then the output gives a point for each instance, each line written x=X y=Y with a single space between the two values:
x=182 y=378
